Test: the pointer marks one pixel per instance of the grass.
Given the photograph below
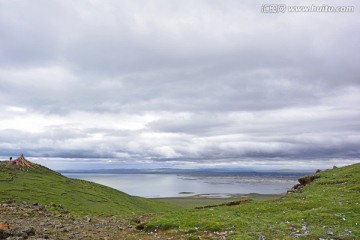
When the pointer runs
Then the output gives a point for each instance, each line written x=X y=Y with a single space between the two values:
x=43 y=186
x=328 y=208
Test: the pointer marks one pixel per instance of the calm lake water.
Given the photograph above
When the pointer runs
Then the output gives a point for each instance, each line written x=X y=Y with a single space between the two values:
x=172 y=185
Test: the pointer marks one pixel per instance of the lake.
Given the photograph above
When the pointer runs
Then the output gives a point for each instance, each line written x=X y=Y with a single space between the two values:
x=175 y=185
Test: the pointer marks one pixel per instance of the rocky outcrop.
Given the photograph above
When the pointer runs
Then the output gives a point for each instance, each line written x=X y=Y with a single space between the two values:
x=307 y=179
x=303 y=181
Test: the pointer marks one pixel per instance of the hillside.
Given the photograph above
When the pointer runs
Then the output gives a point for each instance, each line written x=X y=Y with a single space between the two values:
x=327 y=208
x=43 y=186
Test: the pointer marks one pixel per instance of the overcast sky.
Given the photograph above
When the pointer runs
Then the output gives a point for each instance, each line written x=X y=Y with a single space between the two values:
x=191 y=83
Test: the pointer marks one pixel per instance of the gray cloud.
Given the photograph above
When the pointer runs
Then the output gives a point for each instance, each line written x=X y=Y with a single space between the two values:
x=197 y=82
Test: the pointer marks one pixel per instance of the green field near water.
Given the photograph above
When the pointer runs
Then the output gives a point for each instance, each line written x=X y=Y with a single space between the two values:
x=328 y=208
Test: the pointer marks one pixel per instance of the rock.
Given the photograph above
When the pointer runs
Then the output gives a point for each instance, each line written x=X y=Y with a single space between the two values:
x=30 y=231
x=20 y=235
x=141 y=226
x=307 y=179
x=52 y=204
x=39 y=208
x=24 y=232
x=261 y=237
x=60 y=226
x=88 y=219
x=296 y=189
x=303 y=182
x=4 y=234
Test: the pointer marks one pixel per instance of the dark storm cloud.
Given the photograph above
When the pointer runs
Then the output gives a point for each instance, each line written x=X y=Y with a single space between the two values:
x=181 y=81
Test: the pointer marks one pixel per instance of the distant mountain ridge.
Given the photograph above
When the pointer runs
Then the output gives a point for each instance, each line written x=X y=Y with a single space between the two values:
x=196 y=172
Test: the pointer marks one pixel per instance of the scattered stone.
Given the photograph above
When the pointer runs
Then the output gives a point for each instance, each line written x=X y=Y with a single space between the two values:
x=304 y=227
x=88 y=219
x=17 y=232
x=141 y=226
x=261 y=237
x=30 y=231
x=60 y=226
x=4 y=234
x=296 y=189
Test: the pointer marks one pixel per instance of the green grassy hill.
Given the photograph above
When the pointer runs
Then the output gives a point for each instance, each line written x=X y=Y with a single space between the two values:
x=44 y=186
x=327 y=208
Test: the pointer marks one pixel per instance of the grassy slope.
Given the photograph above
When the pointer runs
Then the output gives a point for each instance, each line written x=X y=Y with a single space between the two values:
x=44 y=186
x=328 y=208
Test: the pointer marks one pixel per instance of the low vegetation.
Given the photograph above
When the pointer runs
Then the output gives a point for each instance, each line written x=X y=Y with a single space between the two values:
x=327 y=208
